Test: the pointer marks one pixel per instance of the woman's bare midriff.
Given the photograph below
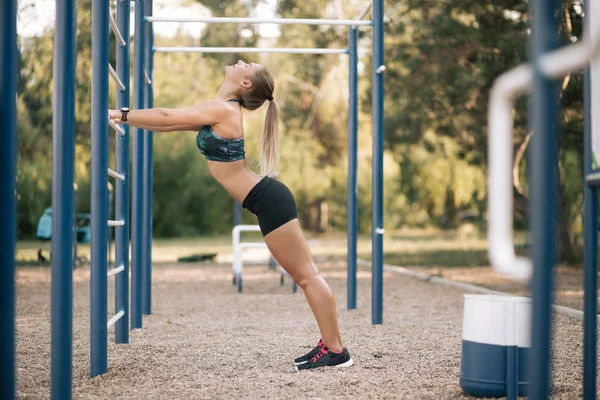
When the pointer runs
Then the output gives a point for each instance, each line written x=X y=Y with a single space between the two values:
x=235 y=177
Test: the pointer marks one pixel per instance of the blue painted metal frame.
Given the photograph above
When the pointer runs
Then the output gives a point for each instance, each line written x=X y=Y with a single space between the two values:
x=147 y=172
x=377 y=206
x=122 y=187
x=63 y=174
x=8 y=203
x=99 y=186
x=237 y=213
x=590 y=250
x=352 y=164
x=544 y=179
x=137 y=166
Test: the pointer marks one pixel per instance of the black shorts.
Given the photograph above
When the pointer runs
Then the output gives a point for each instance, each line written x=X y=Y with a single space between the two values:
x=272 y=202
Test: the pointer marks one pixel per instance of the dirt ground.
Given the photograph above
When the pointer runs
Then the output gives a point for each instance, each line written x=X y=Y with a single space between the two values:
x=205 y=340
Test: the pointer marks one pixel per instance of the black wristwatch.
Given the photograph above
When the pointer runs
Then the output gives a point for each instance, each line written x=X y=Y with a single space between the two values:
x=124 y=111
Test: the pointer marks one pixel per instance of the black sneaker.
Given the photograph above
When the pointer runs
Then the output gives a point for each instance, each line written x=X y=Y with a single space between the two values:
x=309 y=356
x=327 y=358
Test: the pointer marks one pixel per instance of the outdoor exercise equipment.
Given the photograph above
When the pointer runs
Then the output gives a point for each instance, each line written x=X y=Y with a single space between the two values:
x=548 y=65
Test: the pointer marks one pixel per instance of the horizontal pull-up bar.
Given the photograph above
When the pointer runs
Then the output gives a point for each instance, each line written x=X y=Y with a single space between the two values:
x=248 y=50
x=277 y=21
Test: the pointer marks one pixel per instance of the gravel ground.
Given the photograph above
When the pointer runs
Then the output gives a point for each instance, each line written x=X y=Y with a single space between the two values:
x=205 y=340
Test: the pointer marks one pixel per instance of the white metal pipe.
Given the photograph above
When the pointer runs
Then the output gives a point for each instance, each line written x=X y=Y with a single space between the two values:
x=114 y=319
x=115 y=29
x=112 y=222
x=116 y=175
x=115 y=271
x=248 y=50
x=116 y=78
x=147 y=78
x=501 y=250
x=237 y=246
x=592 y=177
x=554 y=64
x=276 y=21
x=116 y=127
x=253 y=245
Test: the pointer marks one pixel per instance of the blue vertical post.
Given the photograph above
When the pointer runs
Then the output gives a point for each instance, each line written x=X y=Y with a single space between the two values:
x=8 y=169
x=63 y=171
x=122 y=187
x=237 y=213
x=137 y=166
x=590 y=244
x=544 y=189
x=147 y=173
x=377 y=207
x=352 y=164
x=99 y=186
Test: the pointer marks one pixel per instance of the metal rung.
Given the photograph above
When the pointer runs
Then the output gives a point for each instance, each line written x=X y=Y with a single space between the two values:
x=115 y=271
x=249 y=50
x=115 y=29
x=116 y=175
x=593 y=179
x=114 y=319
x=116 y=78
x=253 y=245
x=112 y=222
x=116 y=127
x=147 y=78
x=278 y=21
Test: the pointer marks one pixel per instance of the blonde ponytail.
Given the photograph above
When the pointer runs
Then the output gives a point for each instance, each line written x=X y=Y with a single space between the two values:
x=263 y=86
x=269 y=141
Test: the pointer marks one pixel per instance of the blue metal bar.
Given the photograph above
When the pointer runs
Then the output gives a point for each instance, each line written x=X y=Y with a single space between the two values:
x=237 y=213
x=137 y=184
x=352 y=165
x=99 y=186
x=122 y=187
x=147 y=174
x=63 y=171
x=544 y=188
x=377 y=224
x=8 y=203
x=590 y=242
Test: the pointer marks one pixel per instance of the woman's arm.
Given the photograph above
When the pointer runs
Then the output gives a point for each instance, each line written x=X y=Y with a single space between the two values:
x=180 y=119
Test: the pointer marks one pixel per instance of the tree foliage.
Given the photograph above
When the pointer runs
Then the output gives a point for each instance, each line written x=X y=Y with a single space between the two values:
x=442 y=58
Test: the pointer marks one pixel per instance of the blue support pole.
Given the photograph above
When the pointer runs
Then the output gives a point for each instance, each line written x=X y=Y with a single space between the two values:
x=8 y=204
x=63 y=171
x=544 y=189
x=237 y=213
x=590 y=246
x=99 y=186
x=377 y=223
x=352 y=165
x=147 y=173
x=122 y=187
x=137 y=164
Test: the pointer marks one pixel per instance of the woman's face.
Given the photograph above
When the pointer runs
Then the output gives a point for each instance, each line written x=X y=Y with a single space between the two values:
x=241 y=71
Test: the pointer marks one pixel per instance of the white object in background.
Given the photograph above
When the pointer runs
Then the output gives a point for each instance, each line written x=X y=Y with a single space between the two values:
x=238 y=246
x=518 y=80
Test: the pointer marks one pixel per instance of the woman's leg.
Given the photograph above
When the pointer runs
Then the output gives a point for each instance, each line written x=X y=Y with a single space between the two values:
x=289 y=247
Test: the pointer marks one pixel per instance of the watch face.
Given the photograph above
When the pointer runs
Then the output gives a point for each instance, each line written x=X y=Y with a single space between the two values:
x=124 y=109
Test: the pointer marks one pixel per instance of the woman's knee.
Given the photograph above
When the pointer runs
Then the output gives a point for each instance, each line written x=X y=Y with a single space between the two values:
x=306 y=280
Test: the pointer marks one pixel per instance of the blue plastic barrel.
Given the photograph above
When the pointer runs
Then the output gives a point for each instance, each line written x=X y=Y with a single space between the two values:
x=495 y=345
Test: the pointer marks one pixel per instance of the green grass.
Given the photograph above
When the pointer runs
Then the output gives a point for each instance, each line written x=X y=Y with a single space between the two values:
x=413 y=248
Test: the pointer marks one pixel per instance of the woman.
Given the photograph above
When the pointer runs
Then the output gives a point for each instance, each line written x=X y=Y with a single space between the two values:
x=221 y=140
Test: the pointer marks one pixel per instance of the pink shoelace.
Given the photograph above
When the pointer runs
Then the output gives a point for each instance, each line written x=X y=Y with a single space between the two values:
x=320 y=354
